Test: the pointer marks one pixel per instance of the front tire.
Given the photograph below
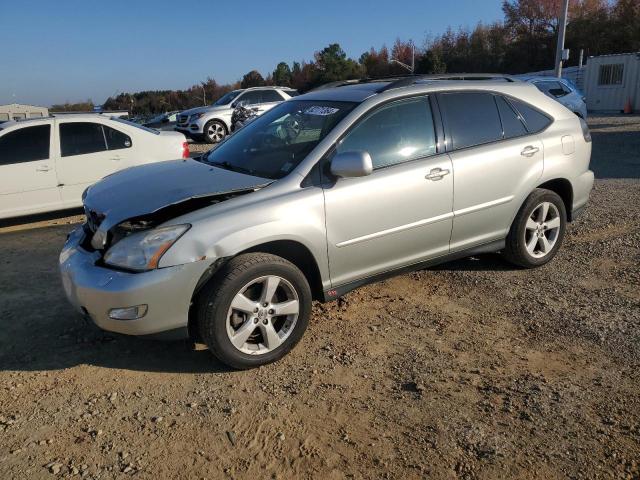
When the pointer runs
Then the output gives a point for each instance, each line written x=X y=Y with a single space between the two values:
x=255 y=310
x=537 y=231
x=214 y=131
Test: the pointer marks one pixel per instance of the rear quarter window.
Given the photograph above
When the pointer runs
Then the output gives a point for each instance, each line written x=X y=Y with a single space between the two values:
x=534 y=119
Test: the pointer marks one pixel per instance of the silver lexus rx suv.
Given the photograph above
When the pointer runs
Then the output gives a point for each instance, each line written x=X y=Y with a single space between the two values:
x=321 y=194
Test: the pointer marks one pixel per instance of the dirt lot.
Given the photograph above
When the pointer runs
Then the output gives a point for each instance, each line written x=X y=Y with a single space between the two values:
x=471 y=370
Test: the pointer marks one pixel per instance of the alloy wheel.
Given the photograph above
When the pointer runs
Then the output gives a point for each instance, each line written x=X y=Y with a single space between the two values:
x=262 y=315
x=542 y=230
x=215 y=132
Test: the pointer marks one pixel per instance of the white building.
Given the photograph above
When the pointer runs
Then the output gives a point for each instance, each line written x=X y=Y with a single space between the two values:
x=16 y=111
x=612 y=81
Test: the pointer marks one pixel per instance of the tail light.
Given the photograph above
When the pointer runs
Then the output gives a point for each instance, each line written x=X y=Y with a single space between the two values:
x=185 y=150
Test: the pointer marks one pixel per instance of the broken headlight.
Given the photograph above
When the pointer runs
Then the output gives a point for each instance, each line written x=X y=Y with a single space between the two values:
x=143 y=250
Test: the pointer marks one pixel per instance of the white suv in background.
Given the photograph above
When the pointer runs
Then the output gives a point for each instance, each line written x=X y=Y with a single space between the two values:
x=562 y=91
x=46 y=163
x=212 y=123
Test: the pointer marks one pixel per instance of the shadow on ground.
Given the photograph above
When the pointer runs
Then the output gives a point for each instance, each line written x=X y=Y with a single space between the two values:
x=615 y=153
x=40 y=331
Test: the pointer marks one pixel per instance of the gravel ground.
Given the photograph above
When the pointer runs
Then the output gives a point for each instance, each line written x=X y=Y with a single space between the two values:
x=469 y=370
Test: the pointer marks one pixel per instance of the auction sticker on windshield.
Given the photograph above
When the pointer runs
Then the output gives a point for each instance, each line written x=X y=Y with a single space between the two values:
x=321 y=111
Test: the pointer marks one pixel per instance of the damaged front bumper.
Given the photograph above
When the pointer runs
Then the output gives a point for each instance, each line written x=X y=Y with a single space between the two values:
x=95 y=291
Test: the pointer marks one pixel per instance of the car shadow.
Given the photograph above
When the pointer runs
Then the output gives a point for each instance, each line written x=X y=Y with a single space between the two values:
x=616 y=146
x=40 y=331
x=487 y=262
x=40 y=217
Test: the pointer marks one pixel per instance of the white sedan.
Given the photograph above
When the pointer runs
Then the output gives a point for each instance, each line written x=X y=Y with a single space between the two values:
x=46 y=163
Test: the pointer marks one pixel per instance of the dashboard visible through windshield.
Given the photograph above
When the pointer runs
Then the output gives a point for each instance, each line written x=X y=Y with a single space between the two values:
x=275 y=143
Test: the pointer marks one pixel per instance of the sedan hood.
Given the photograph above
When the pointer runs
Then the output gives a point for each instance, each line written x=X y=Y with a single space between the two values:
x=146 y=189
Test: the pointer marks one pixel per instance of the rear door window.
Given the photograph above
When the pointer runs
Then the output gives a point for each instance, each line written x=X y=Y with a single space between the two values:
x=271 y=96
x=116 y=140
x=472 y=118
x=27 y=144
x=534 y=120
x=512 y=125
x=81 y=138
x=395 y=133
x=251 y=98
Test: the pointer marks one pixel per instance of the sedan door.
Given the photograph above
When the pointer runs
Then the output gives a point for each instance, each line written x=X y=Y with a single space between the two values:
x=89 y=151
x=28 y=182
x=400 y=214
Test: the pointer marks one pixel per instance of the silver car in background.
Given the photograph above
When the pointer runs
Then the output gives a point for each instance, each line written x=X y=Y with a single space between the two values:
x=321 y=194
x=212 y=123
x=563 y=91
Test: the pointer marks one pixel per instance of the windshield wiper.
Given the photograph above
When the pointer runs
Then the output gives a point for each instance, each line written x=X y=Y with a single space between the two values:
x=234 y=168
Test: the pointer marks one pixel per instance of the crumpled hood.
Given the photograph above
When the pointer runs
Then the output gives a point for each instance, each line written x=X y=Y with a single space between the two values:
x=209 y=108
x=148 y=188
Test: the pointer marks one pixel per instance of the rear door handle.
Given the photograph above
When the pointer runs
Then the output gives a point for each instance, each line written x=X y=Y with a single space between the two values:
x=529 y=151
x=115 y=159
x=436 y=174
x=43 y=168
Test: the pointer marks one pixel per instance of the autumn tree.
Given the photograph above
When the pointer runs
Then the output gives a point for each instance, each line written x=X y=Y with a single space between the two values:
x=252 y=79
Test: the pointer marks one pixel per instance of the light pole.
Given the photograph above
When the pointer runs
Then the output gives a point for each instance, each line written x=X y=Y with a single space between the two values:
x=411 y=67
x=562 y=30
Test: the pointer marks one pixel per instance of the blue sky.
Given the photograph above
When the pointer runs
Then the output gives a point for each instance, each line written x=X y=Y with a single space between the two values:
x=53 y=51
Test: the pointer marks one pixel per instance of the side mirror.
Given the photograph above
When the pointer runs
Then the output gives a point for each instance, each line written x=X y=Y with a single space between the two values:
x=354 y=163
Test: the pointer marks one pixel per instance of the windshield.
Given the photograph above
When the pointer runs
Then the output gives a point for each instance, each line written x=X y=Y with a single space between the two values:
x=227 y=98
x=275 y=143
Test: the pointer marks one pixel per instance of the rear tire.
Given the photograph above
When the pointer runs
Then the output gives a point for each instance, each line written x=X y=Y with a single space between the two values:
x=537 y=231
x=254 y=310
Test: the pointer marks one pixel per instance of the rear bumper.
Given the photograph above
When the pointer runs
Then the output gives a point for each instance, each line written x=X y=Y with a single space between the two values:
x=94 y=290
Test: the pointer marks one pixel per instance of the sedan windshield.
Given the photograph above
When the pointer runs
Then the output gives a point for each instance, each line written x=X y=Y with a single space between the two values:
x=227 y=98
x=275 y=143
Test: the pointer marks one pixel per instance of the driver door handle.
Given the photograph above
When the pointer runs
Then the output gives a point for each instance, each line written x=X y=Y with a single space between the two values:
x=436 y=174
x=529 y=151
x=43 y=168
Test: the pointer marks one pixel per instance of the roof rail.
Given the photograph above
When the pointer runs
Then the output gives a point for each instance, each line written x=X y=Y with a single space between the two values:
x=413 y=79
x=339 y=83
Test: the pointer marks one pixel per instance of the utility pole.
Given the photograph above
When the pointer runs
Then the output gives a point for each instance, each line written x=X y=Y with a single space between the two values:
x=562 y=29
x=411 y=67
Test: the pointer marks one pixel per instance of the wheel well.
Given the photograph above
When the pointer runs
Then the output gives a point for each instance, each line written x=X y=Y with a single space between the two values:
x=290 y=250
x=563 y=188
x=297 y=254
